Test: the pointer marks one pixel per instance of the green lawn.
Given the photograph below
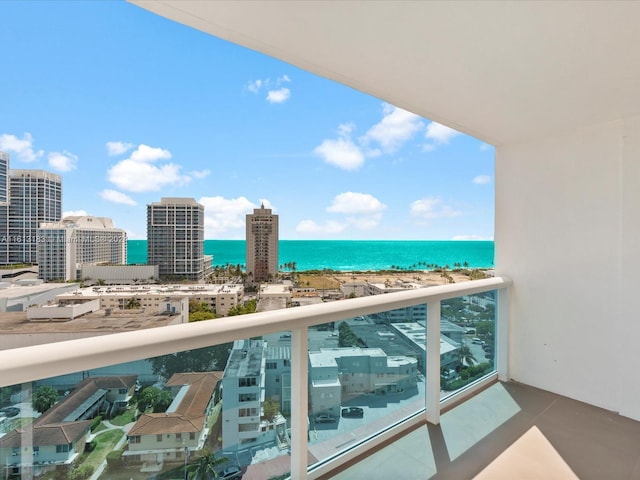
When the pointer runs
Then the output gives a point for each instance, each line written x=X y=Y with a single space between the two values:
x=105 y=443
x=124 y=418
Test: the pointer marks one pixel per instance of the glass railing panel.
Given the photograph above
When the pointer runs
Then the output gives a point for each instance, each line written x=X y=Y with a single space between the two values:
x=169 y=417
x=468 y=329
x=366 y=374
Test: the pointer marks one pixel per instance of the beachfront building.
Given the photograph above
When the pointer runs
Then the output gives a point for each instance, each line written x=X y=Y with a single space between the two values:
x=159 y=438
x=118 y=274
x=175 y=238
x=338 y=374
x=244 y=424
x=262 y=245
x=64 y=247
x=35 y=196
x=278 y=376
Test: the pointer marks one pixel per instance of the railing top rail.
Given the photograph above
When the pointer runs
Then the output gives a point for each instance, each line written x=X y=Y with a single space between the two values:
x=48 y=360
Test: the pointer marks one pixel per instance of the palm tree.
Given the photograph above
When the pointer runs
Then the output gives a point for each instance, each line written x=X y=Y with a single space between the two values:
x=204 y=467
x=465 y=356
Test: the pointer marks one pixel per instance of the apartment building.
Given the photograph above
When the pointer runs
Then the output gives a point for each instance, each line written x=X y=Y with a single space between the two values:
x=35 y=196
x=64 y=247
x=338 y=373
x=158 y=438
x=175 y=238
x=243 y=397
x=262 y=244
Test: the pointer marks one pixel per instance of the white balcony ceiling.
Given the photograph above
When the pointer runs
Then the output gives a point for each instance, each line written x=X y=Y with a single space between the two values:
x=500 y=71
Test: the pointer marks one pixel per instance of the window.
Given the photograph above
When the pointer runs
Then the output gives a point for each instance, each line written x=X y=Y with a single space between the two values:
x=247 y=412
x=159 y=437
x=178 y=437
x=122 y=391
x=134 y=439
x=192 y=436
x=247 y=397
x=247 y=427
x=247 y=382
x=63 y=448
x=271 y=365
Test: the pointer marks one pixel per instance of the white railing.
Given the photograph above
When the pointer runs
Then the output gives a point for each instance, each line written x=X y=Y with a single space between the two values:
x=27 y=364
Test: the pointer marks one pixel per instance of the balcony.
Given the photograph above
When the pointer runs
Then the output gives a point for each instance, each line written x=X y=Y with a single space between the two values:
x=396 y=403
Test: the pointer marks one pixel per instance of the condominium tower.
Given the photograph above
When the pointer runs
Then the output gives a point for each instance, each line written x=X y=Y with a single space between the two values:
x=175 y=238
x=35 y=196
x=262 y=244
x=4 y=178
x=65 y=246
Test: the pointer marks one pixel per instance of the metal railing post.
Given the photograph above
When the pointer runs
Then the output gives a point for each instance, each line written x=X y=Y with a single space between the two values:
x=433 y=362
x=299 y=403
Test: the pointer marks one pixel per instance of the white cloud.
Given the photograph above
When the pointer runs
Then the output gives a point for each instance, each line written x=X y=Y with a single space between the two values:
x=139 y=173
x=22 y=148
x=254 y=86
x=432 y=207
x=118 y=148
x=309 y=227
x=74 y=213
x=226 y=217
x=117 y=197
x=356 y=203
x=133 y=176
x=342 y=153
x=278 y=96
x=396 y=127
x=145 y=153
x=284 y=79
x=482 y=179
x=63 y=162
x=439 y=134
x=200 y=174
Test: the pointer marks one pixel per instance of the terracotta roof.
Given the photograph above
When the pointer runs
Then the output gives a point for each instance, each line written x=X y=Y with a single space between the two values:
x=189 y=414
x=53 y=434
x=121 y=381
x=51 y=428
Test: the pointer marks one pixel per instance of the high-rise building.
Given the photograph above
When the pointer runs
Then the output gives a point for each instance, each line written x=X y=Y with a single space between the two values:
x=175 y=238
x=4 y=178
x=262 y=244
x=35 y=196
x=65 y=246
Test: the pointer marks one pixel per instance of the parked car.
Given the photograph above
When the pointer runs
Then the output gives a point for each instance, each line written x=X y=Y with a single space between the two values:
x=353 y=412
x=9 y=411
x=325 y=418
x=477 y=341
x=231 y=473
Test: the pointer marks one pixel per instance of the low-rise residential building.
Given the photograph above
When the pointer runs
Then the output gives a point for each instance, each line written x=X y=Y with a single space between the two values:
x=159 y=438
x=59 y=435
x=18 y=296
x=339 y=373
x=278 y=376
x=219 y=298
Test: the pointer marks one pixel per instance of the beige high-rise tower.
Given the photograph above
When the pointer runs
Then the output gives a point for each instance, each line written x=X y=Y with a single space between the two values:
x=262 y=244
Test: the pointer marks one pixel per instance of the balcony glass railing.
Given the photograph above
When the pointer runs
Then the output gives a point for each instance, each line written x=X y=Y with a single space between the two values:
x=293 y=392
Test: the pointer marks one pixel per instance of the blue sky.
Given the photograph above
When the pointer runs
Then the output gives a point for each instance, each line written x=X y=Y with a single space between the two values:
x=129 y=107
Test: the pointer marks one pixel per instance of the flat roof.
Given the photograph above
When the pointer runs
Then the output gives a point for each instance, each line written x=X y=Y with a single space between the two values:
x=13 y=323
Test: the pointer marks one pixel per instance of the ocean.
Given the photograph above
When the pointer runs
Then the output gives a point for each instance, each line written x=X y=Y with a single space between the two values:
x=348 y=255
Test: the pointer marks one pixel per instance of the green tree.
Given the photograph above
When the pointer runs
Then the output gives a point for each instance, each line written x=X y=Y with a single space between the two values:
x=199 y=311
x=271 y=407
x=200 y=360
x=347 y=338
x=465 y=356
x=147 y=398
x=204 y=468
x=44 y=398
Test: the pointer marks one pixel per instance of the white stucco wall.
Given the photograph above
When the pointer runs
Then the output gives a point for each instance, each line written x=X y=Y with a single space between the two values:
x=568 y=234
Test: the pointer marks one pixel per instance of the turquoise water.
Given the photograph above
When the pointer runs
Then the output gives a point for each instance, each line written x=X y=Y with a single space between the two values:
x=348 y=255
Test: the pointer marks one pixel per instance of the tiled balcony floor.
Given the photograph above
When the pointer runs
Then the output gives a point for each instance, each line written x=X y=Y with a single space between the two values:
x=567 y=436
